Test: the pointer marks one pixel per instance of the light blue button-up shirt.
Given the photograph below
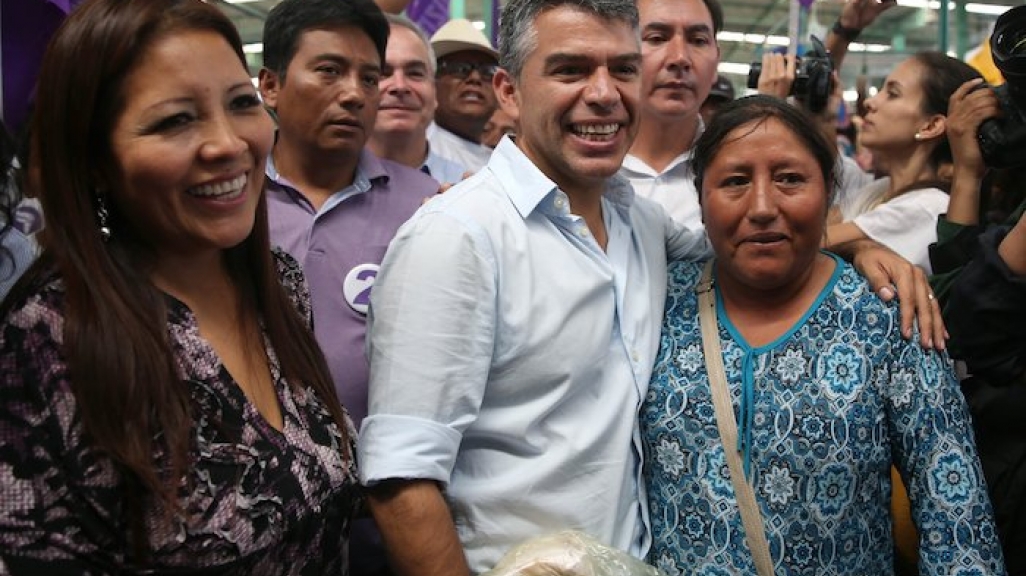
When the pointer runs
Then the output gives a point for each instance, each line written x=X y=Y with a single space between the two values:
x=509 y=355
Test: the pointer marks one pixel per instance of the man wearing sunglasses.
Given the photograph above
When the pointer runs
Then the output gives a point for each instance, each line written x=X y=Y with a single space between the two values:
x=463 y=81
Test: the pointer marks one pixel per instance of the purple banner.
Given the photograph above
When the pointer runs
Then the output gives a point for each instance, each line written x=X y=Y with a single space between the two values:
x=430 y=15
x=495 y=23
x=25 y=28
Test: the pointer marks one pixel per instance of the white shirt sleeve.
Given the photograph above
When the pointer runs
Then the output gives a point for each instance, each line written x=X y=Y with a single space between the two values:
x=907 y=224
x=430 y=343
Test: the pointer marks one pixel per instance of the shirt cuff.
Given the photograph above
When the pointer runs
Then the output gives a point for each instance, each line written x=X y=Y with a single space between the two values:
x=406 y=447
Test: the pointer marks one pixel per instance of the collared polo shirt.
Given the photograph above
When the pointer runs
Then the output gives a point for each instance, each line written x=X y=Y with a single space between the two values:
x=340 y=247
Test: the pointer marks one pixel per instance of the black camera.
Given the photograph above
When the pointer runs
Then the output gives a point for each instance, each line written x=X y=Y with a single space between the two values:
x=813 y=77
x=1003 y=140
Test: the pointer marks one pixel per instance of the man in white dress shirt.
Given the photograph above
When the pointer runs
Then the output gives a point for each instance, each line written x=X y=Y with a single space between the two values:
x=516 y=318
x=680 y=56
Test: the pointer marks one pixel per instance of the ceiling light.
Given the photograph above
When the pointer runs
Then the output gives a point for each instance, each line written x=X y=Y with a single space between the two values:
x=972 y=7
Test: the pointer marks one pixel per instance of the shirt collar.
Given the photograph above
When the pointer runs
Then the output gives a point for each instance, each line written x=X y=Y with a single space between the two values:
x=634 y=164
x=369 y=170
x=534 y=189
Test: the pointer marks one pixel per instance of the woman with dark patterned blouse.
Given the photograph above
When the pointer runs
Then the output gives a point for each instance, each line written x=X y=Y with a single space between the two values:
x=826 y=392
x=164 y=408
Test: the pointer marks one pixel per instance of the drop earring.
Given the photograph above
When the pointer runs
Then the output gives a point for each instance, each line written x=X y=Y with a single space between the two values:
x=102 y=217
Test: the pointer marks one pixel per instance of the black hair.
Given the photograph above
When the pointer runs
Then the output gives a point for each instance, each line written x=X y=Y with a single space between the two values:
x=758 y=109
x=288 y=21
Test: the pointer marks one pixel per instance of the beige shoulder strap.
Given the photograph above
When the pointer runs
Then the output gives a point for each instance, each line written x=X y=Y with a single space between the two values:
x=755 y=532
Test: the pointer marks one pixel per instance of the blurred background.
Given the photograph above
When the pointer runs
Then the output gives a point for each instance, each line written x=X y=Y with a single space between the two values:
x=751 y=27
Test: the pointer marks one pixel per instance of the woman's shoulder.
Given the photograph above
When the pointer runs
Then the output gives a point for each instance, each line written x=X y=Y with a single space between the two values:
x=685 y=273
x=853 y=292
x=682 y=277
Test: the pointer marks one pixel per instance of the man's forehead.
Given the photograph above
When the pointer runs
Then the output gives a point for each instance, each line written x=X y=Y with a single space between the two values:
x=343 y=41
x=689 y=12
x=404 y=46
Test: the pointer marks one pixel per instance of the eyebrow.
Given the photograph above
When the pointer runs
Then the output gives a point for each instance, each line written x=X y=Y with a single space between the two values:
x=409 y=63
x=344 y=61
x=180 y=100
x=692 y=29
x=569 y=58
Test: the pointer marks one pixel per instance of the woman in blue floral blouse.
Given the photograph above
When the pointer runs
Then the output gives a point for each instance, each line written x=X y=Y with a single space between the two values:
x=826 y=392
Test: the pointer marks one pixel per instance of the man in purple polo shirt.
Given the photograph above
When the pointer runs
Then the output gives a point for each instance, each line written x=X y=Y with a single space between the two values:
x=333 y=205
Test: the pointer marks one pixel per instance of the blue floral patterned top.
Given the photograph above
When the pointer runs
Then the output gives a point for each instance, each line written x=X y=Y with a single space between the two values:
x=833 y=402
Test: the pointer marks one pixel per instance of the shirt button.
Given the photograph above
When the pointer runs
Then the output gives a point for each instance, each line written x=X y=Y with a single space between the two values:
x=559 y=202
x=583 y=232
x=634 y=355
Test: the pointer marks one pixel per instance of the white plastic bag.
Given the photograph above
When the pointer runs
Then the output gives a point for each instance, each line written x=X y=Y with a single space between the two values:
x=569 y=553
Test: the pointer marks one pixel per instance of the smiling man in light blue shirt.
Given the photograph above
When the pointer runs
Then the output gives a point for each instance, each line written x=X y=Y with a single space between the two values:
x=516 y=318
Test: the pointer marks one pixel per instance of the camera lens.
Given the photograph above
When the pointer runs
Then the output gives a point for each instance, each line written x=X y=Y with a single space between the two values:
x=1008 y=43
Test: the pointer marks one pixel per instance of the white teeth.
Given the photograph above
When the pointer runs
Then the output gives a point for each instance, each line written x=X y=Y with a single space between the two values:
x=226 y=190
x=595 y=129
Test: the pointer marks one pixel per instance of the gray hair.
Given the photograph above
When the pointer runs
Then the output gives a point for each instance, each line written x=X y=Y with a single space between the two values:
x=518 y=36
x=403 y=21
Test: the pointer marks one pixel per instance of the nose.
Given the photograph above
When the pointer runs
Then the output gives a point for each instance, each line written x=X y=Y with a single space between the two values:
x=475 y=77
x=870 y=103
x=678 y=55
x=396 y=83
x=222 y=141
x=601 y=90
x=351 y=94
x=762 y=207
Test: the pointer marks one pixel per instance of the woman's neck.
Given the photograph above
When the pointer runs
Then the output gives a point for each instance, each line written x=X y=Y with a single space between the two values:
x=762 y=315
x=201 y=282
x=905 y=170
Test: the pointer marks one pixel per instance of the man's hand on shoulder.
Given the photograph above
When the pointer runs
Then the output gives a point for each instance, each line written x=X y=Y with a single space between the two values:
x=891 y=276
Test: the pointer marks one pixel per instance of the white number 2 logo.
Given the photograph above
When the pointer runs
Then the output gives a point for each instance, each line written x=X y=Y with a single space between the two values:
x=357 y=286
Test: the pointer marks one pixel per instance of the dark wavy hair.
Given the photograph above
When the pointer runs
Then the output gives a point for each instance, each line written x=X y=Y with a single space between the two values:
x=758 y=109
x=122 y=371
x=288 y=21
x=941 y=76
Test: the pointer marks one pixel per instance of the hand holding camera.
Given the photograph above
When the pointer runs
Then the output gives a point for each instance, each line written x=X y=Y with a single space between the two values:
x=812 y=76
x=1002 y=140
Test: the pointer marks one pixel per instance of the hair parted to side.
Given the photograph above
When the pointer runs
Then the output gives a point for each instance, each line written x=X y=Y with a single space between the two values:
x=127 y=390
x=403 y=21
x=940 y=76
x=518 y=36
x=288 y=21
x=716 y=11
x=754 y=111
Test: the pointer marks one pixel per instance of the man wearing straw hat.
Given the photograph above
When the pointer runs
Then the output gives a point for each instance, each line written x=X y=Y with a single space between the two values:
x=466 y=64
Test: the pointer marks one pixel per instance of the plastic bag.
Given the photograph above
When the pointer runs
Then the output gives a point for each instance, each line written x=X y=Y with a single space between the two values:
x=569 y=553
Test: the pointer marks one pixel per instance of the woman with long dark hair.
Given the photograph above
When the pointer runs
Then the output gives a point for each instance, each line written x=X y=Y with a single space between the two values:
x=163 y=403
x=905 y=129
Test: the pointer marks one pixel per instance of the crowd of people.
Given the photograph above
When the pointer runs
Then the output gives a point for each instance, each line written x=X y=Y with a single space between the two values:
x=411 y=301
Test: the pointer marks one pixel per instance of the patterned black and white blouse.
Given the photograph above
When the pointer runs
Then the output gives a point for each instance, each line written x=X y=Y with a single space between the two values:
x=259 y=500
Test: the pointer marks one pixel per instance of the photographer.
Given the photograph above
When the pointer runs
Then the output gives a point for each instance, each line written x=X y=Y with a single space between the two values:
x=981 y=282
